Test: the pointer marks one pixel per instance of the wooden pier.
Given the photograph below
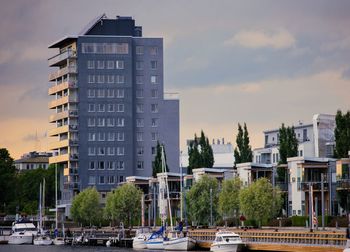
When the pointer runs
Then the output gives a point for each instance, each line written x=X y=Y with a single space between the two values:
x=279 y=240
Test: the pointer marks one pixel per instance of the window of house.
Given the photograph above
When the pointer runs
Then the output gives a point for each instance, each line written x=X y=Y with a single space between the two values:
x=101 y=136
x=91 y=78
x=91 y=93
x=154 y=150
x=110 y=179
x=91 y=122
x=101 y=108
x=100 y=64
x=91 y=137
x=91 y=108
x=101 y=165
x=110 y=151
x=139 y=108
x=120 y=122
x=153 y=50
x=120 y=151
x=120 y=79
x=110 y=93
x=110 y=122
x=110 y=165
x=120 y=136
x=120 y=107
x=102 y=179
x=120 y=165
x=110 y=64
x=111 y=136
x=154 y=108
x=119 y=64
x=139 y=136
x=120 y=93
x=154 y=136
x=100 y=93
x=100 y=122
x=139 y=65
x=90 y=64
x=154 y=79
x=140 y=165
x=92 y=165
x=154 y=65
x=92 y=180
x=139 y=122
x=154 y=122
x=100 y=79
x=140 y=151
x=139 y=50
x=91 y=151
x=154 y=93
x=139 y=79
x=110 y=79
x=139 y=93
x=110 y=107
x=101 y=151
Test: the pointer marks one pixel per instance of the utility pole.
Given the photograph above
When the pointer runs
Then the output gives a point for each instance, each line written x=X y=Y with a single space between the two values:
x=181 y=198
x=310 y=207
x=322 y=199
x=211 y=206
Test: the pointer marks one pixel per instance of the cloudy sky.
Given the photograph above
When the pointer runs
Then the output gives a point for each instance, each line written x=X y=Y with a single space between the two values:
x=259 y=62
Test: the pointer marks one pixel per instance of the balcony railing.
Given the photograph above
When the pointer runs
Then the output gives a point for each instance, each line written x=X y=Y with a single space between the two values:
x=55 y=60
x=343 y=184
x=58 y=116
x=62 y=100
x=282 y=186
x=58 y=130
x=63 y=71
x=316 y=185
x=62 y=86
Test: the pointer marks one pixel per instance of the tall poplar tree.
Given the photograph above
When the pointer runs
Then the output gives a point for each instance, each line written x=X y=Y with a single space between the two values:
x=243 y=151
x=342 y=135
x=157 y=164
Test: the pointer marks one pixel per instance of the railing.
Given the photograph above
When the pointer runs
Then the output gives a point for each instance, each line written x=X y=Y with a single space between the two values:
x=282 y=186
x=61 y=56
x=73 y=127
x=62 y=86
x=58 y=116
x=316 y=185
x=62 y=71
x=73 y=112
x=171 y=96
x=343 y=184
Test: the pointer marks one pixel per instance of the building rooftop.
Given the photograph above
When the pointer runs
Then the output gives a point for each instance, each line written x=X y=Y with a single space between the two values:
x=33 y=160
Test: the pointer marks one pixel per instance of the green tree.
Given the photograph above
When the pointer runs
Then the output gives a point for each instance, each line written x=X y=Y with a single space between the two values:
x=85 y=207
x=243 y=151
x=157 y=164
x=288 y=147
x=124 y=204
x=229 y=197
x=200 y=153
x=260 y=201
x=7 y=178
x=342 y=134
x=198 y=200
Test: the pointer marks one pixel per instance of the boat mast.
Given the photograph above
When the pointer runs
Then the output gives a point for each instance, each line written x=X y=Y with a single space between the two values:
x=43 y=207
x=167 y=186
x=56 y=214
x=39 y=226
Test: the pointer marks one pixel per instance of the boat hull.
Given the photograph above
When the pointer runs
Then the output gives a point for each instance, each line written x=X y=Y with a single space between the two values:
x=224 y=247
x=182 y=244
x=58 y=241
x=20 y=239
x=155 y=244
x=139 y=243
x=42 y=241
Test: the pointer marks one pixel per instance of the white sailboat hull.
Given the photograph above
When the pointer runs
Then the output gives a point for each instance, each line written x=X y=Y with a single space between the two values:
x=156 y=244
x=139 y=242
x=21 y=238
x=58 y=241
x=42 y=240
x=224 y=247
x=181 y=243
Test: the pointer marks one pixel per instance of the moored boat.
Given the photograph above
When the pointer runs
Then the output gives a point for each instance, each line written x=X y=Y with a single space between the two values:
x=226 y=241
x=42 y=240
x=174 y=241
x=139 y=241
x=22 y=233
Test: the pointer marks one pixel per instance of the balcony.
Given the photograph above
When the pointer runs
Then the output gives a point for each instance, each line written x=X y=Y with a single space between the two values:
x=62 y=86
x=59 y=144
x=316 y=186
x=343 y=184
x=62 y=100
x=74 y=142
x=282 y=186
x=59 y=159
x=58 y=130
x=63 y=71
x=60 y=58
x=58 y=116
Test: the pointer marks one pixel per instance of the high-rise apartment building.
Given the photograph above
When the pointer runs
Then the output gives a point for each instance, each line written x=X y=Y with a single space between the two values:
x=109 y=106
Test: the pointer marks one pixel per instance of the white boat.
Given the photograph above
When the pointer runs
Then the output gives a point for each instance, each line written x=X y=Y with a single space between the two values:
x=58 y=241
x=139 y=241
x=22 y=233
x=155 y=243
x=226 y=241
x=174 y=241
x=42 y=240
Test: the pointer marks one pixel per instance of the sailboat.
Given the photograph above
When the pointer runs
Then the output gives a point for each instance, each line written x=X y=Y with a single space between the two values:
x=58 y=240
x=175 y=240
x=41 y=238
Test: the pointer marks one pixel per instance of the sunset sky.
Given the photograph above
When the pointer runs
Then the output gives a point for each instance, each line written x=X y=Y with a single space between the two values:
x=261 y=62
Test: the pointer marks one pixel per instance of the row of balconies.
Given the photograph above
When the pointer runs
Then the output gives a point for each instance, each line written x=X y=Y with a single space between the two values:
x=62 y=100
x=58 y=59
x=63 y=143
x=62 y=129
x=63 y=158
x=62 y=86
x=63 y=71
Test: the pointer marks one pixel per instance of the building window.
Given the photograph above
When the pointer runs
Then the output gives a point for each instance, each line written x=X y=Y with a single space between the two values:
x=91 y=64
x=92 y=137
x=110 y=107
x=139 y=93
x=91 y=78
x=140 y=165
x=110 y=179
x=154 y=108
x=105 y=48
x=154 y=136
x=100 y=64
x=101 y=136
x=153 y=65
x=101 y=108
x=110 y=136
x=101 y=151
x=154 y=79
x=120 y=122
x=101 y=165
x=100 y=93
x=121 y=179
x=120 y=165
x=110 y=64
x=139 y=136
x=110 y=122
x=139 y=65
x=119 y=64
x=140 y=151
x=139 y=79
x=139 y=108
x=153 y=50
x=301 y=153
x=110 y=93
x=120 y=151
x=110 y=165
x=120 y=107
x=92 y=180
x=92 y=165
x=139 y=122
x=91 y=108
x=110 y=151
x=154 y=150
x=120 y=93
x=154 y=122
x=91 y=151
x=91 y=93
x=110 y=79
x=100 y=79
x=102 y=179
x=154 y=93
x=139 y=50
x=100 y=122
x=120 y=79
x=120 y=136
x=91 y=122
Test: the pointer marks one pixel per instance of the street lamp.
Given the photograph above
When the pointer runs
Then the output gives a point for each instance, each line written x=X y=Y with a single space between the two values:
x=211 y=206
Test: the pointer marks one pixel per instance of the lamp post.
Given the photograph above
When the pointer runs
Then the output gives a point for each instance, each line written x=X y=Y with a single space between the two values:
x=211 y=206
x=181 y=203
